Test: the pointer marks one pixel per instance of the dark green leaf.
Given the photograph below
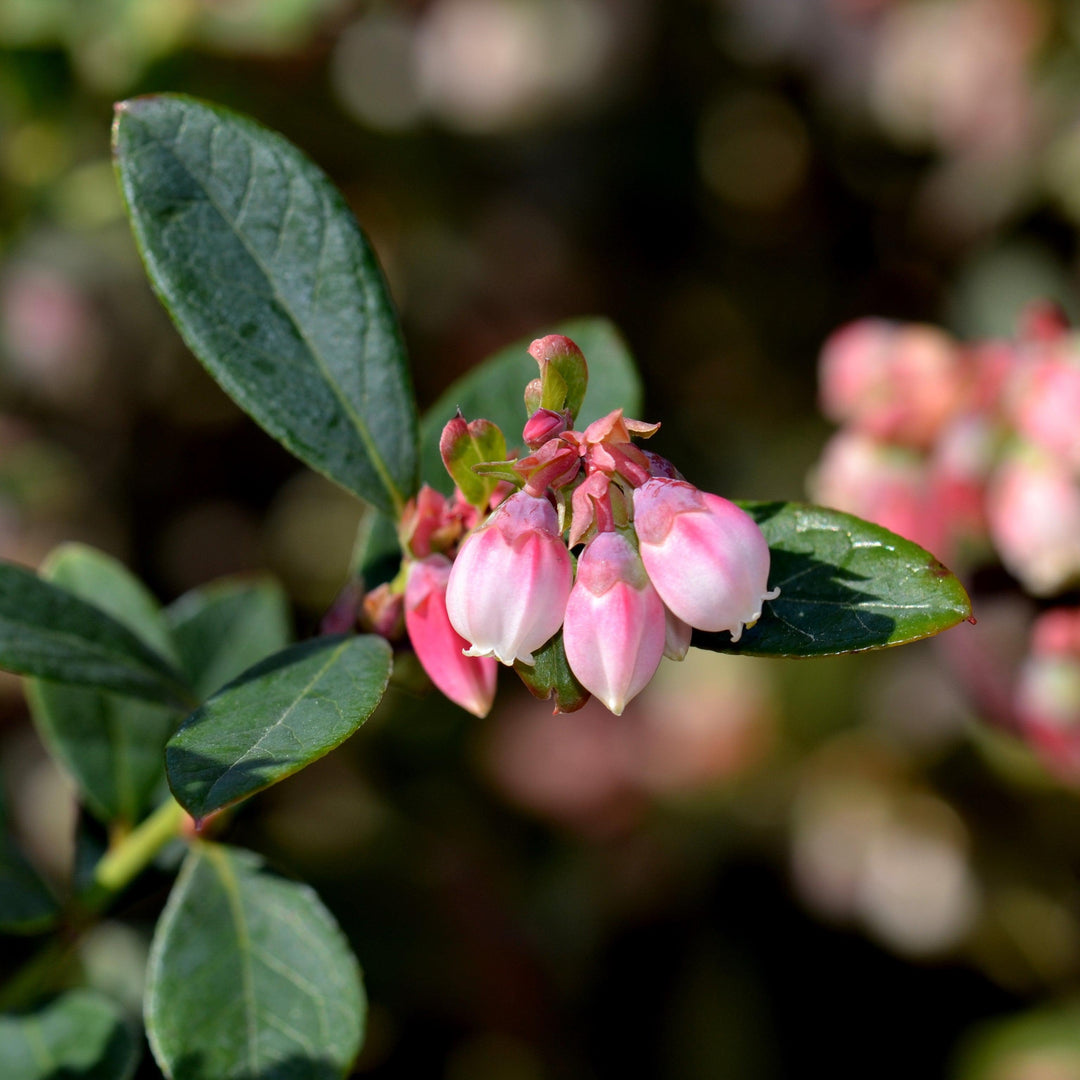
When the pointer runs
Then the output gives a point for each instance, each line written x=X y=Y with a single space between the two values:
x=250 y=977
x=223 y=628
x=495 y=389
x=50 y=632
x=845 y=585
x=274 y=288
x=79 y=1036
x=551 y=677
x=27 y=905
x=274 y=719
x=112 y=745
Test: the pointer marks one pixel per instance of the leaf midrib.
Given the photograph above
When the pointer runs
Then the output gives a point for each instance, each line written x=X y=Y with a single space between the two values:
x=301 y=696
x=397 y=498
x=231 y=887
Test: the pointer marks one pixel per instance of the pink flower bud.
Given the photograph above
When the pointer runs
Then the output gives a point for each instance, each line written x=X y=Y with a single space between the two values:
x=509 y=584
x=544 y=424
x=677 y=636
x=467 y=681
x=706 y=557
x=381 y=612
x=614 y=631
x=660 y=466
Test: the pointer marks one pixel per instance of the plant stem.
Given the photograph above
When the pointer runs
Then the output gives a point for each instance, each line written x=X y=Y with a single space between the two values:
x=120 y=865
x=123 y=862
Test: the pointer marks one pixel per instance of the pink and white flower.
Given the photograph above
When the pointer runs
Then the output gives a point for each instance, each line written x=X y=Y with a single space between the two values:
x=510 y=581
x=615 y=627
x=707 y=558
x=467 y=680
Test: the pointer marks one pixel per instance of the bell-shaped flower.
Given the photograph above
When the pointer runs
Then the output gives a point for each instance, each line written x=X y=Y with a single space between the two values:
x=510 y=581
x=677 y=636
x=707 y=558
x=615 y=626
x=469 y=681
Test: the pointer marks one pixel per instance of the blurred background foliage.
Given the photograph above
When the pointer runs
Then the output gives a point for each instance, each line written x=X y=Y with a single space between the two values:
x=763 y=867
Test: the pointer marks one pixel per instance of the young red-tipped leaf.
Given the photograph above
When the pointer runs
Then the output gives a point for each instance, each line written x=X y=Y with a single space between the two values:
x=463 y=445
x=564 y=375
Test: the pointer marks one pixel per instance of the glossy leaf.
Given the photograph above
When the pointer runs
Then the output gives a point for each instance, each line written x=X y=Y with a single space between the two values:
x=50 y=632
x=27 y=905
x=273 y=287
x=111 y=744
x=250 y=977
x=223 y=628
x=494 y=389
x=551 y=678
x=845 y=585
x=79 y=1036
x=277 y=717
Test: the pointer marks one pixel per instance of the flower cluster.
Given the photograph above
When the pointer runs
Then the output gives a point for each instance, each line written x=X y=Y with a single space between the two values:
x=973 y=451
x=491 y=576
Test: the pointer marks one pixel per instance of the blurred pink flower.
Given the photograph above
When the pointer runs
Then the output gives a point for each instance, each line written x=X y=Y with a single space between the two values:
x=1034 y=515
x=888 y=485
x=898 y=382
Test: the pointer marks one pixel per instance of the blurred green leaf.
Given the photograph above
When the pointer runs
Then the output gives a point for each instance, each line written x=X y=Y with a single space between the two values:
x=494 y=389
x=277 y=717
x=79 y=1036
x=845 y=585
x=50 y=632
x=551 y=677
x=250 y=977
x=221 y=629
x=111 y=744
x=274 y=288
x=27 y=905
x=1041 y=1043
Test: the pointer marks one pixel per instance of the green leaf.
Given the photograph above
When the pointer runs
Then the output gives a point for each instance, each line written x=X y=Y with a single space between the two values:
x=50 y=632
x=845 y=585
x=463 y=445
x=27 y=905
x=494 y=389
x=111 y=744
x=274 y=288
x=223 y=628
x=274 y=719
x=79 y=1036
x=551 y=677
x=250 y=977
x=1039 y=1042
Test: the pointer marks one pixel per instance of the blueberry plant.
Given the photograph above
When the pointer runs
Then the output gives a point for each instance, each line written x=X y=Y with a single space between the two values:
x=580 y=559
